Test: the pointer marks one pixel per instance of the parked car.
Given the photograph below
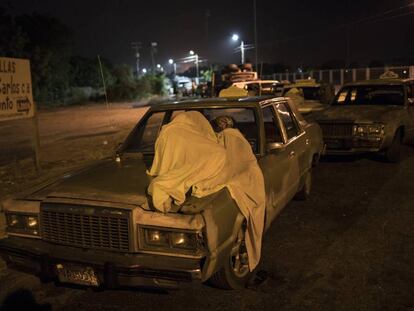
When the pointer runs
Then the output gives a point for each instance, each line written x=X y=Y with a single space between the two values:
x=370 y=116
x=261 y=87
x=310 y=96
x=96 y=226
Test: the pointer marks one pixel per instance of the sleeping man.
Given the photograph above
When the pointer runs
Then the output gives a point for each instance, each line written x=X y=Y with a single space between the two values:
x=190 y=156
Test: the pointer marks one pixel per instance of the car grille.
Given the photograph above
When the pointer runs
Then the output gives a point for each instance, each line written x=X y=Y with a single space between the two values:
x=336 y=129
x=73 y=225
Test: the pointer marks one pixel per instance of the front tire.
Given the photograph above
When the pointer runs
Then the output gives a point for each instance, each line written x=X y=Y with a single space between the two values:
x=236 y=273
x=393 y=152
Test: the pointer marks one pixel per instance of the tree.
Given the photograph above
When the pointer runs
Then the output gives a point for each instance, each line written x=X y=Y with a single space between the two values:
x=47 y=43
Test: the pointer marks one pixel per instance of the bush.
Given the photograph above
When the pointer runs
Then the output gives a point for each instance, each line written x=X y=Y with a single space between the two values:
x=125 y=87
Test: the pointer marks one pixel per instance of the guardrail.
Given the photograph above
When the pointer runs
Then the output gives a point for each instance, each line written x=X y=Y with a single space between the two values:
x=342 y=76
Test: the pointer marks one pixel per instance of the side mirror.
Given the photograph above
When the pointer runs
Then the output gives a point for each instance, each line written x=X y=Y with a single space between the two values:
x=275 y=147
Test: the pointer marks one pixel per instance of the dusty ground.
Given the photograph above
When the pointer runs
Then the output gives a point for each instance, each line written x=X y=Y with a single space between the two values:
x=350 y=247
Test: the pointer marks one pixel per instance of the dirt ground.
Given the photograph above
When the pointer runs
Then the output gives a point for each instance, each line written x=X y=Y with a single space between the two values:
x=349 y=247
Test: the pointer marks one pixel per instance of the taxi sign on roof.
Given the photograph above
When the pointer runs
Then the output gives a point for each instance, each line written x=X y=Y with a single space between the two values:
x=389 y=75
x=16 y=98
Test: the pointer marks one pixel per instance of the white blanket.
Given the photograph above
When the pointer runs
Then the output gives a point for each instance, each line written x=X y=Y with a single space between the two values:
x=188 y=154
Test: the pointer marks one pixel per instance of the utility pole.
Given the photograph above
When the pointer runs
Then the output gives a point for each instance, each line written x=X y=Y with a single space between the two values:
x=256 y=46
x=197 y=71
x=153 y=46
x=242 y=52
x=136 y=46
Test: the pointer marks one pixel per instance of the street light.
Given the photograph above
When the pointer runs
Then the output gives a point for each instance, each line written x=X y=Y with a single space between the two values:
x=144 y=70
x=236 y=37
x=196 y=63
x=171 y=62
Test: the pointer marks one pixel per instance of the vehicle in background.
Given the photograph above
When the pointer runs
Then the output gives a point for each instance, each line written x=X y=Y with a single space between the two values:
x=309 y=95
x=97 y=226
x=370 y=116
x=261 y=87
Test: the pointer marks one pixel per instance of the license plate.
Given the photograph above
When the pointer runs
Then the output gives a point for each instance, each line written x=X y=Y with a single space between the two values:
x=75 y=274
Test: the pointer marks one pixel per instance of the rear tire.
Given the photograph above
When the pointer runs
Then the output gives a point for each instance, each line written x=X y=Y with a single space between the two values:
x=304 y=193
x=393 y=152
x=236 y=273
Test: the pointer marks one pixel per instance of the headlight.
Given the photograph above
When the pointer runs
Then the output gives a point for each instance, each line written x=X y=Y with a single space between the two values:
x=363 y=130
x=156 y=237
x=166 y=239
x=22 y=223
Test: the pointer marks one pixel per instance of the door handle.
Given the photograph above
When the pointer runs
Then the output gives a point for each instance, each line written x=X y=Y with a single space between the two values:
x=292 y=153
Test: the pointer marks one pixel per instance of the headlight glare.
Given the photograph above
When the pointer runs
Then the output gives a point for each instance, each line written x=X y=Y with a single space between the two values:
x=156 y=237
x=166 y=239
x=22 y=223
x=32 y=222
x=13 y=221
x=363 y=130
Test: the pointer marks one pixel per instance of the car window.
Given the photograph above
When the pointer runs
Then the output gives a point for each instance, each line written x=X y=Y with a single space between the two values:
x=271 y=126
x=144 y=137
x=244 y=120
x=288 y=120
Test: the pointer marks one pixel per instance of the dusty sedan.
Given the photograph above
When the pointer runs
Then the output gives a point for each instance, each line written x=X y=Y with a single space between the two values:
x=97 y=227
x=370 y=116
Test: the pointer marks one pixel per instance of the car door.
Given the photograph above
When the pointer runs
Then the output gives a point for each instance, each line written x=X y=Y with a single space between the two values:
x=277 y=165
x=410 y=120
x=298 y=139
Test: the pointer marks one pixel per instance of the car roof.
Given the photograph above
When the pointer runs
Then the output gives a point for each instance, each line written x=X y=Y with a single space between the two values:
x=257 y=81
x=250 y=101
x=391 y=81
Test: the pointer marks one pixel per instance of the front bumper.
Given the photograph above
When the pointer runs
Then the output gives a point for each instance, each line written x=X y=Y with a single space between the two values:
x=112 y=269
x=351 y=145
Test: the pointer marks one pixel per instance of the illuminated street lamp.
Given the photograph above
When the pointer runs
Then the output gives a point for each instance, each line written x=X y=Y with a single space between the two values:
x=236 y=38
x=171 y=62
x=196 y=63
x=144 y=70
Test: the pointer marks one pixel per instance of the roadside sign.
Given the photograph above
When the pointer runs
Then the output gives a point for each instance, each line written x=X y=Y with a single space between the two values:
x=16 y=98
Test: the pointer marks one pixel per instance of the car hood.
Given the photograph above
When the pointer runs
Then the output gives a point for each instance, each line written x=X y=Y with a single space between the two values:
x=123 y=182
x=311 y=105
x=357 y=113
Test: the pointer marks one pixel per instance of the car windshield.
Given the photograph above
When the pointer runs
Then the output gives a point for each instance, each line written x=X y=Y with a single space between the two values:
x=143 y=137
x=370 y=95
x=309 y=92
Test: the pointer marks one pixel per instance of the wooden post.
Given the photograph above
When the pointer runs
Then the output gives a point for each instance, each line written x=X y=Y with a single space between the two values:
x=36 y=138
x=103 y=82
x=342 y=77
x=330 y=76
x=367 y=74
x=354 y=75
x=320 y=76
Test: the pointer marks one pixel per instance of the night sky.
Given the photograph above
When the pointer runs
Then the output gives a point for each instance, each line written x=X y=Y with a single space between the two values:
x=294 y=32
